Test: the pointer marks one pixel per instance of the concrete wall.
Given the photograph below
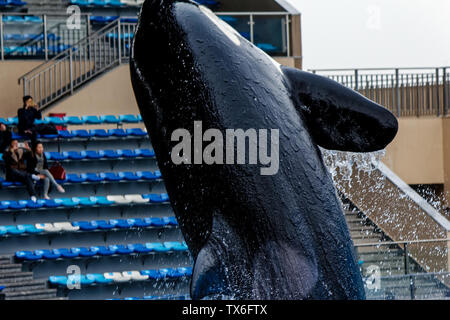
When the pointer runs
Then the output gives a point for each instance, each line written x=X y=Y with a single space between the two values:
x=416 y=154
x=10 y=91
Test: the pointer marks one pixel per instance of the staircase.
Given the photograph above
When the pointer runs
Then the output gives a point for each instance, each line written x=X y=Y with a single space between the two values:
x=85 y=60
x=20 y=285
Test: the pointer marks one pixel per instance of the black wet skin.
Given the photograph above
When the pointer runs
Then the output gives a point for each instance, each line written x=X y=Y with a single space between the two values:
x=252 y=237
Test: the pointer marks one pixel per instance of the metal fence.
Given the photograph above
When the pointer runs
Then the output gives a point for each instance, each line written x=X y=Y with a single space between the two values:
x=404 y=91
x=390 y=272
x=104 y=49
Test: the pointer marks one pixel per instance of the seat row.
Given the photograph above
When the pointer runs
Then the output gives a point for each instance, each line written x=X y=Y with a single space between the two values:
x=89 y=134
x=22 y=19
x=84 y=201
x=92 y=177
x=29 y=36
x=98 y=155
x=98 y=3
x=83 y=120
x=108 y=19
x=101 y=251
x=164 y=297
x=12 y=3
x=120 y=277
x=34 y=50
x=93 y=225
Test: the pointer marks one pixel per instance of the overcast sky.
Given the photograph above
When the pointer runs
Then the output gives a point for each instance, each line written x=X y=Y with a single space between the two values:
x=375 y=33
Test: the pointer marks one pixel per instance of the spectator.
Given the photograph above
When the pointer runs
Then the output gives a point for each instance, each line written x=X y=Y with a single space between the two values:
x=27 y=115
x=37 y=164
x=5 y=138
x=15 y=167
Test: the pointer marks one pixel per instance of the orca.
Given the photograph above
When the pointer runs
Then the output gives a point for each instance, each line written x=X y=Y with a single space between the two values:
x=252 y=236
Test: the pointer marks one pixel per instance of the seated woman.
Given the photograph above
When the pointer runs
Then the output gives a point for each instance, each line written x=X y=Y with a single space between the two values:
x=37 y=165
x=15 y=166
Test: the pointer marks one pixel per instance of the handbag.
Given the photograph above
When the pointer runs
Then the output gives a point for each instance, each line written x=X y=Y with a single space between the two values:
x=58 y=172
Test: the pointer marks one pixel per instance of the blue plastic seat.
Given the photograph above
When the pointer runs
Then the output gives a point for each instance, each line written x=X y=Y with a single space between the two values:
x=104 y=225
x=66 y=134
x=73 y=120
x=127 y=153
x=35 y=205
x=128 y=118
x=110 y=176
x=103 y=201
x=140 y=248
x=56 y=121
x=122 y=223
x=18 y=205
x=146 y=153
x=83 y=252
x=92 y=154
x=75 y=155
x=59 y=156
x=91 y=119
x=158 y=247
x=152 y=274
x=170 y=221
x=28 y=255
x=118 y=132
x=93 y=177
x=157 y=198
x=142 y=223
x=109 y=119
x=129 y=176
x=114 y=3
x=157 y=222
x=69 y=202
x=147 y=175
x=100 y=133
x=75 y=178
x=100 y=278
x=121 y=249
x=67 y=253
x=175 y=246
x=85 y=201
x=186 y=271
x=103 y=251
x=48 y=254
x=138 y=132
x=52 y=203
x=14 y=230
x=86 y=225
x=81 y=133
x=4 y=205
x=112 y=154
x=58 y=280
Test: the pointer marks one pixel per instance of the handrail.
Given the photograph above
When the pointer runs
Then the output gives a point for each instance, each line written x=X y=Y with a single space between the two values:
x=387 y=243
x=93 y=35
x=378 y=69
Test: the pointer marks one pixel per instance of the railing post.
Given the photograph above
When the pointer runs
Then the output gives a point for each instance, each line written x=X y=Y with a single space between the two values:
x=445 y=88
x=356 y=80
x=251 y=28
x=397 y=91
x=119 y=40
x=288 y=35
x=1 y=38
x=437 y=93
x=71 y=71
x=406 y=260
x=45 y=38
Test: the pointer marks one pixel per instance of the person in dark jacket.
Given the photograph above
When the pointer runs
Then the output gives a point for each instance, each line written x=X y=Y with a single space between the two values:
x=27 y=115
x=5 y=138
x=15 y=167
x=37 y=165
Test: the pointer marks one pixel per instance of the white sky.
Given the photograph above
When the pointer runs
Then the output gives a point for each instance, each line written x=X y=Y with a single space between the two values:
x=375 y=33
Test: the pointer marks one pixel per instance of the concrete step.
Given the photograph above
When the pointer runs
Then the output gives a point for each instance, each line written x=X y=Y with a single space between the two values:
x=31 y=295
x=31 y=285
x=15 y=277
x=5 y=260
x=9 y=267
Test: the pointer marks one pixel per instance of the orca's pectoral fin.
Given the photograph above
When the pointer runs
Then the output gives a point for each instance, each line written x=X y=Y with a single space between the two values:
x=208 y=277
x=339 y=118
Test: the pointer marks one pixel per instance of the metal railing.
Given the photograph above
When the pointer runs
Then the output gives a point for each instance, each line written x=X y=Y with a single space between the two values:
x=391 y=272
x=91 y=56
x=404 y=91
x=51 y=34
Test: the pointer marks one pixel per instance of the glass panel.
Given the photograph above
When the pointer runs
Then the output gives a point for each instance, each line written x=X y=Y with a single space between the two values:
x=240 y=23
x=60 y=36
x=270 y=34
x=23 y=36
